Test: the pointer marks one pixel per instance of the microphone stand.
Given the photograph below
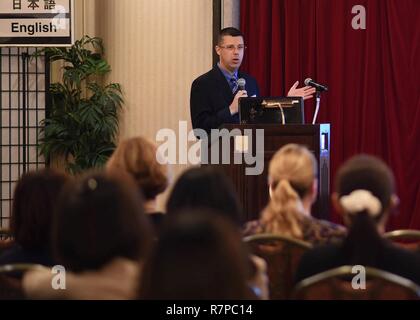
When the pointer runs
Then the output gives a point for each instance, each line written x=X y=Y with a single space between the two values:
x=318 y=102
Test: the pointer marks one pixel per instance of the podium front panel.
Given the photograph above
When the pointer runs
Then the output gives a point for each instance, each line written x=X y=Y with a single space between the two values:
x=253 y=189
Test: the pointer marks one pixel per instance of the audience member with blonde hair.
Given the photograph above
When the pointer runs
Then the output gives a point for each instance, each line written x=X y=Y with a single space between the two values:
x=293 y=189
x=101 y=236
x=365 y=196
x=137 y=156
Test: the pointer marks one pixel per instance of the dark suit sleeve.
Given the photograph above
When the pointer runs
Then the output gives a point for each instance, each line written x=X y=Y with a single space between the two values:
x=252 y=86
x=202 y=114
x=257 y=89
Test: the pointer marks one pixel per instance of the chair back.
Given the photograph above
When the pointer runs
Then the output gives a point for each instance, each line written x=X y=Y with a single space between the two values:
x=6 y=240
x=11 y=280
x=5 y=234
x=407 y=239
x=282 y=255
x=343 y=284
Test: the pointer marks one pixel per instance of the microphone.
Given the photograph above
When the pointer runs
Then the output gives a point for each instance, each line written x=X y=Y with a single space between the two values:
x=241 y=83
x=311 y=83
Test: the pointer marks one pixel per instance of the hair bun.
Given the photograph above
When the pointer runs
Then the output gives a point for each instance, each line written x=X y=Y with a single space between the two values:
x=361 y=200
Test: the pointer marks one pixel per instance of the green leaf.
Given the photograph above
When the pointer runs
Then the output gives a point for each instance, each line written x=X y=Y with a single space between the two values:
x=83 y=121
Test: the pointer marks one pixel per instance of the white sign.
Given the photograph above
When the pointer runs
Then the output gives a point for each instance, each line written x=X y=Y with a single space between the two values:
x=36 y=23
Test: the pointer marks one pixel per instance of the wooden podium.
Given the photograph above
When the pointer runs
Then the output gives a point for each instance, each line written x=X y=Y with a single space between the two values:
x=253 y=189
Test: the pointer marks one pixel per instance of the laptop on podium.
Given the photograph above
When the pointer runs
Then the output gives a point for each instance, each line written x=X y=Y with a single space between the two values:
x=266 y=110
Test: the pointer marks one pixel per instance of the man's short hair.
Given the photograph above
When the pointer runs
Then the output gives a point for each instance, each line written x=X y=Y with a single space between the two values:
x=230 y=31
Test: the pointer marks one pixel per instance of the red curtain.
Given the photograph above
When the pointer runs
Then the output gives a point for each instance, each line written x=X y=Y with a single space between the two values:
x=373 y=103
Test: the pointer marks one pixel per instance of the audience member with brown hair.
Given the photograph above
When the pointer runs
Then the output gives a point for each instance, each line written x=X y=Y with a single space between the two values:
x=205 y=187
x=199 y=256
x=100 y=235
x=137 y=156
x=209 y=188
x=34 y=202
x=293 y=189
x=365 y=196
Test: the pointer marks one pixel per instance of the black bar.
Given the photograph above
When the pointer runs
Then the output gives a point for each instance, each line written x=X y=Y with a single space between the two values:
x=19 y=106
x=35 y=15
x=48 y=97
x=36 y=105
x=1 y=135
x=24 y=104
x=217 y=26
x=37 y=40
x=10 y=121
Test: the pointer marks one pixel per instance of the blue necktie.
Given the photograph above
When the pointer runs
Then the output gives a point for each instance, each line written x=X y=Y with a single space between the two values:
x=233 y=84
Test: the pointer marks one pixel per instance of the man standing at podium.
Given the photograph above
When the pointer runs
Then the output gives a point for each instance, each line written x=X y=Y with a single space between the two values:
x=215 y=94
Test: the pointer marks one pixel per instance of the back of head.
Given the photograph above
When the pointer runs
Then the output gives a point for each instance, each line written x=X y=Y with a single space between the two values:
x=229 y=31
x=199 y=256
x=364 y=172
x=205 y=187
x=100 y=217
x=291 y=175
x=364 y=186
x=34 y=202
x=137 y=156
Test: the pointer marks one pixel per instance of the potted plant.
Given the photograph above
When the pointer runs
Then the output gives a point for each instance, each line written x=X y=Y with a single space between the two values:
x=82 y=124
